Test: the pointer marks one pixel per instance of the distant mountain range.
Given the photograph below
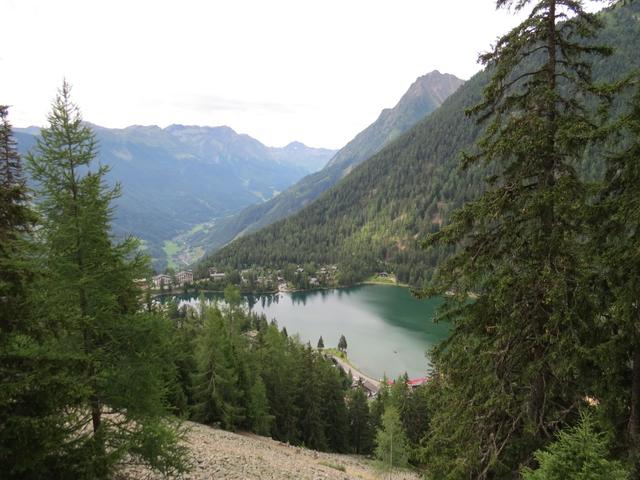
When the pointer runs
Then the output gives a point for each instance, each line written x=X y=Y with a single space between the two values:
x=377 y=216
x=179 y=177
x=425 y=95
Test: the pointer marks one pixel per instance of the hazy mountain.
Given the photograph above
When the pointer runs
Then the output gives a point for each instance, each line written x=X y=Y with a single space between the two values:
x=178 y=177
x=425 y=95
x=376 y=217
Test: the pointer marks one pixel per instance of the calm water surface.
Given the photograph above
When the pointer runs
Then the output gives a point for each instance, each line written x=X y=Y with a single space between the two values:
x=387 y=330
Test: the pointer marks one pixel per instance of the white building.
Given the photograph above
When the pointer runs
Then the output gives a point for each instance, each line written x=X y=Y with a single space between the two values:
x=162 y=280
x=186 y=276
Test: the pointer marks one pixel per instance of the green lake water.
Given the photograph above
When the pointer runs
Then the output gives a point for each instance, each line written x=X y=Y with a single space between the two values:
x=388 y=331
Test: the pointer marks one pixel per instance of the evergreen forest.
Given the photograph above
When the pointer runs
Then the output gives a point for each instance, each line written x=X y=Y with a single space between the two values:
x=376 y=218
x=518 y=201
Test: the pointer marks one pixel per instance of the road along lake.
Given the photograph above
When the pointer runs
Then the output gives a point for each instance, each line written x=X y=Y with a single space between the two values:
x=388 y=331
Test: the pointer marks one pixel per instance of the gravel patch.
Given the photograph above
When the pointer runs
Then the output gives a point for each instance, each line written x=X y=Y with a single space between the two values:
x=218 y=454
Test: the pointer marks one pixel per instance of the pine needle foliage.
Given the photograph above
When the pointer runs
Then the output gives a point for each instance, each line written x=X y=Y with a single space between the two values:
x=511 y=372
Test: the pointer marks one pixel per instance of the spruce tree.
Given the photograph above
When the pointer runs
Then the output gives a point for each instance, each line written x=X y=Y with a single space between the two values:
x=88 y=300
x=35 y=389
x=578 y=453
x=216 y=390
x=360 y=427
x=510 y=371
x=312 y=421
x=16 y=220
x=615 y=242
x=320 y=343
x=342 y=344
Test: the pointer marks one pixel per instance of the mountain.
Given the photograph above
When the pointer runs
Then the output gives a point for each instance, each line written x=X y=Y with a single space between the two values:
x=176 y=178
x=425 y=95
x=375 y=218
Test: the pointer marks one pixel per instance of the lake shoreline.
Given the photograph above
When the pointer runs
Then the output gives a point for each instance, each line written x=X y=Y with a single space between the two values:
x=389 y=331
x=156 y=293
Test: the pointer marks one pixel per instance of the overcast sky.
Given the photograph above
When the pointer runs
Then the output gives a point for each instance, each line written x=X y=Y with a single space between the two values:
x=316 y=71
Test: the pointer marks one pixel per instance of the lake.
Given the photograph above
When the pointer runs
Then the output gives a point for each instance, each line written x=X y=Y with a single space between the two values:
x=387 y=329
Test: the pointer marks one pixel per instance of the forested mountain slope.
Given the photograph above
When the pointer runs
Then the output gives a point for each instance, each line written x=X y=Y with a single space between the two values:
x=376 y=217
x=180 y=176
x=425 y=95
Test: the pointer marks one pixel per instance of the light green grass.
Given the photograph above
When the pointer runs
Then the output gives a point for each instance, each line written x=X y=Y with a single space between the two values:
x=197 y=228
x=378 y=280
x=341 y=355
x=171 y=248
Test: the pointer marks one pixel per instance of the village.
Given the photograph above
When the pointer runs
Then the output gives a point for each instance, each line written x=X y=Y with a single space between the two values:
x=291 y=278
x=251 y=280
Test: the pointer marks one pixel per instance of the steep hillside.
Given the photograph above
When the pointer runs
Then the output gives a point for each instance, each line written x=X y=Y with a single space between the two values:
x=376 y=217
x=220 y=454
x=425 y=95
x=178 y=177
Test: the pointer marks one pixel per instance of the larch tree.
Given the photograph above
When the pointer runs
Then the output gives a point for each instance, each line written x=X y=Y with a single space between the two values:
x=88 y=300
x=392 y=447
x=511 y=371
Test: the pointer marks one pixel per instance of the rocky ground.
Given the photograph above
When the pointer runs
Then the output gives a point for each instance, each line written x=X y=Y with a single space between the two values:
x=217 y=454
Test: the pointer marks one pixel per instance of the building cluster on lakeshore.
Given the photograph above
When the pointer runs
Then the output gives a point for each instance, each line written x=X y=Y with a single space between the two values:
x=165 y=281
x=291 y=277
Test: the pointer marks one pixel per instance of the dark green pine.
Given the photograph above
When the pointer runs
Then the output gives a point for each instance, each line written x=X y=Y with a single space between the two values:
x=510 y=374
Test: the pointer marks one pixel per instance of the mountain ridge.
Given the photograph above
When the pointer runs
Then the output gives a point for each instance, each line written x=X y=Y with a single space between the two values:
x=423 y=96
x=178 y=177
x=375 y=218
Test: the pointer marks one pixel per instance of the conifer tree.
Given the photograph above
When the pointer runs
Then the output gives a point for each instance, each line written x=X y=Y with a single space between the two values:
x=342 y=344
x=380 y=403
x=320 y=343
x=217 y=394
x=32 y=374
x=360 y=428
x=258 y=412
x=514 y=356
x=311 y=421
x=578 y=453
x=392 y=446
x=333 y=387
x=615 y=240
x=88 y=300
x=16 y=220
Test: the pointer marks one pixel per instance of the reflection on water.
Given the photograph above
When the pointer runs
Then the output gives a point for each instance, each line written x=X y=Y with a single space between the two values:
x=387 y=330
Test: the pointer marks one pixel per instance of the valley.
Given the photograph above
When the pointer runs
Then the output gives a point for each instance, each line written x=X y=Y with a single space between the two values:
x=377 y=217
x=178 y=179
x=453 y=294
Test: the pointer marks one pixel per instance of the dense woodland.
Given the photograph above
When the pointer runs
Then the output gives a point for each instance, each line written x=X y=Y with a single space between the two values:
x=97 y=376
x=239 y=371
x=540 y=378
x=376 y=218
